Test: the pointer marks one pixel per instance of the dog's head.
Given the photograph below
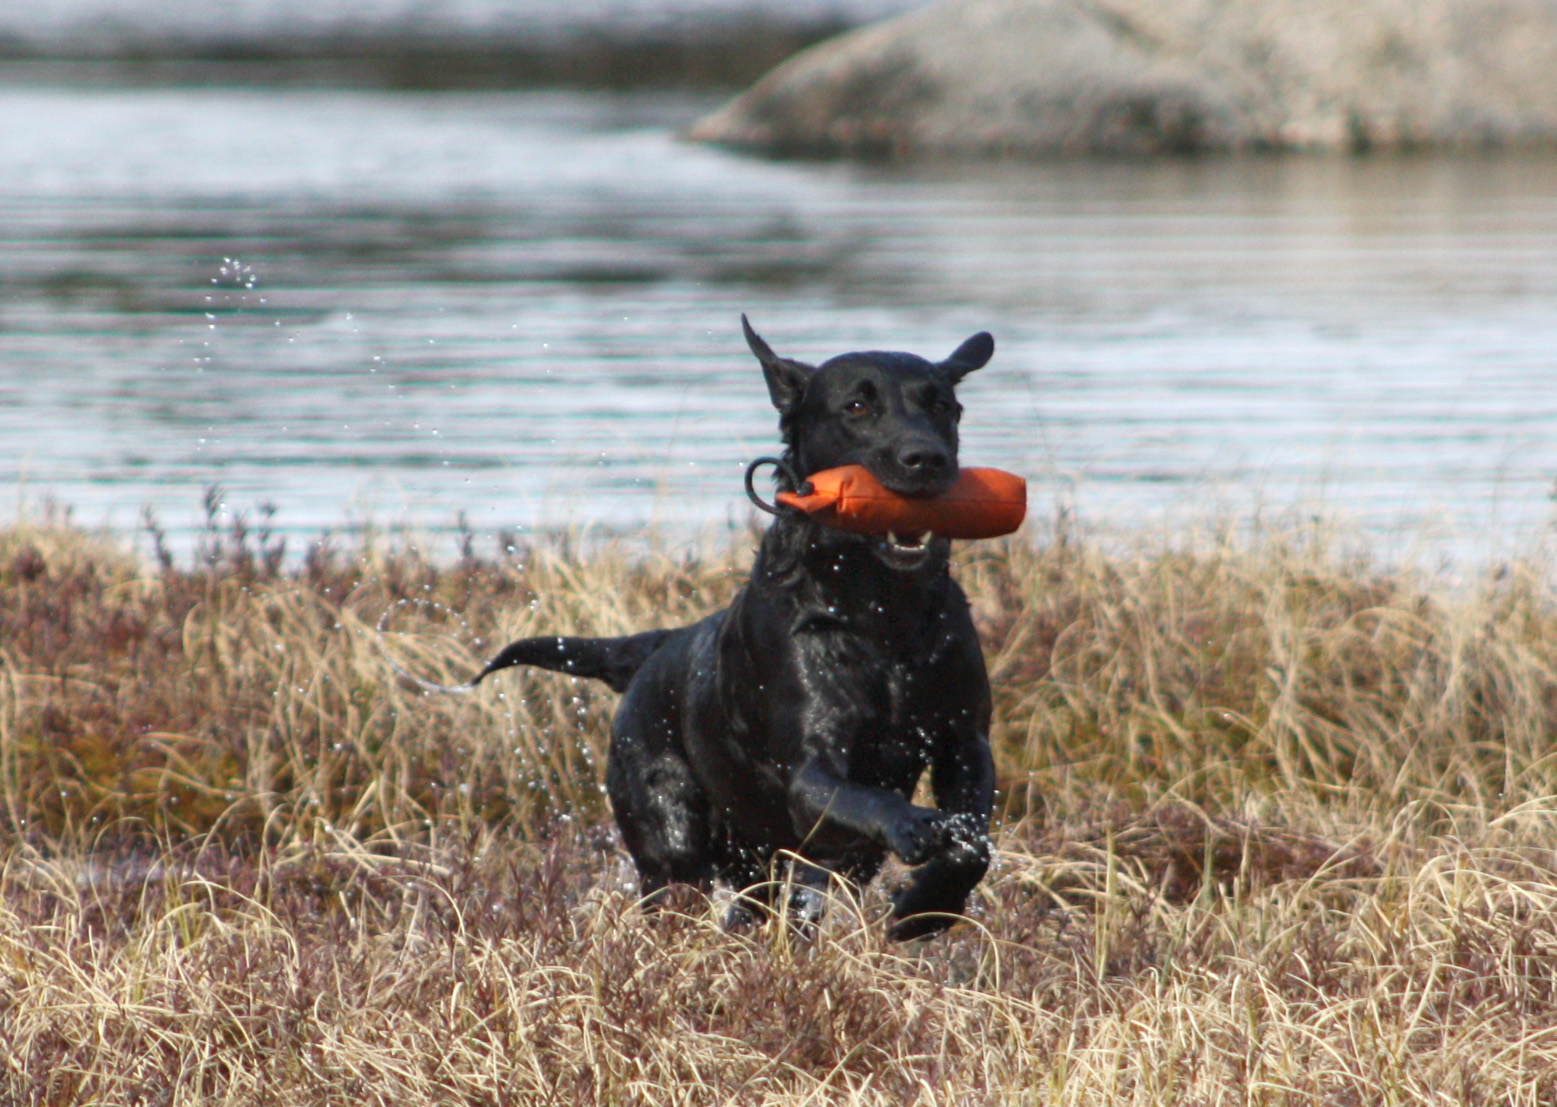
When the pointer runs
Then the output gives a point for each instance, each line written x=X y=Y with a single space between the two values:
x=894 y=413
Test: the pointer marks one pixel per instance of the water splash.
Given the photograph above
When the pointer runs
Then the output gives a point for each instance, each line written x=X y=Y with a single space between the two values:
x=427 y=687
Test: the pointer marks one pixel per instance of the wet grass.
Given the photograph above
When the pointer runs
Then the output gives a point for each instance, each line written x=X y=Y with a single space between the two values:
x=1278 y=828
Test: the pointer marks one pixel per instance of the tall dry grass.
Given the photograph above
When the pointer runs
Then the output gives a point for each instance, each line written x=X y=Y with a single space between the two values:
x=1278 y=828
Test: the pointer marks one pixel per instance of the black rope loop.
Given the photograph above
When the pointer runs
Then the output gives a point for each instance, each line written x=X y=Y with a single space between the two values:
x=781 y=466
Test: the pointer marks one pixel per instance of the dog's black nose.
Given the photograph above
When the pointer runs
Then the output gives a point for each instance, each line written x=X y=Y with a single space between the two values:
x=924 y=459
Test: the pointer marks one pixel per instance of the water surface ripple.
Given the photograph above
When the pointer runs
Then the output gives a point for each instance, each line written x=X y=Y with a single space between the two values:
x=524 y=307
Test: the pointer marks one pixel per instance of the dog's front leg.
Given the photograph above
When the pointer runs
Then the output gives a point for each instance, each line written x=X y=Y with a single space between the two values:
x=963 y=779
x=962 y=776
x=826 y=807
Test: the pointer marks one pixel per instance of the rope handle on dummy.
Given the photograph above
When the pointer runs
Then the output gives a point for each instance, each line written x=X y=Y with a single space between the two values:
x=981 y=503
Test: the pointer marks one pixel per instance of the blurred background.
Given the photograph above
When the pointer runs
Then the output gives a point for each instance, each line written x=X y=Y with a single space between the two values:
x=391 y=263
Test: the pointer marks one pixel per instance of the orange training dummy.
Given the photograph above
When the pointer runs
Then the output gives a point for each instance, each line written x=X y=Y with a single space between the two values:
x=981 y=503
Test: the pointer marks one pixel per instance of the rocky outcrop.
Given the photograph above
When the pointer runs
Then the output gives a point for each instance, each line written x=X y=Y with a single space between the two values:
x=1038 y=77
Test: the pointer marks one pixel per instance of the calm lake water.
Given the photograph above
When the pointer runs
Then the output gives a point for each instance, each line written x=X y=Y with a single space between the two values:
x=390 y=308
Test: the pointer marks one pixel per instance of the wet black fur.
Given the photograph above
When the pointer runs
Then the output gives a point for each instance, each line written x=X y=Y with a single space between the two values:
x=801 y=717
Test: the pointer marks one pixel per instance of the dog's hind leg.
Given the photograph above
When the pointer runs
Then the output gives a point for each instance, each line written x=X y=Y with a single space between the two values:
x=659 y=806
x=663 y=817
x=766 y=884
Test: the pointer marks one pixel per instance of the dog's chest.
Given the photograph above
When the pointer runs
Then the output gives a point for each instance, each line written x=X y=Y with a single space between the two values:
x=881 y=703
x=903 y=735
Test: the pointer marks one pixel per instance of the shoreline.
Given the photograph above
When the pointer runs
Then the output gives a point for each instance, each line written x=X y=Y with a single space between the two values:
x=718 y=55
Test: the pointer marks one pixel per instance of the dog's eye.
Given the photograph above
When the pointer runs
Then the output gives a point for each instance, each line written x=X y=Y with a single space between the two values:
x=856 y=407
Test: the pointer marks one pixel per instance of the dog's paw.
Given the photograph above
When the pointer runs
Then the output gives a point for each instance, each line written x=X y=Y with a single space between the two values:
x=926 y=905
x=743 y=915
x=918 y=835
x=966 y=841
x=919 y=926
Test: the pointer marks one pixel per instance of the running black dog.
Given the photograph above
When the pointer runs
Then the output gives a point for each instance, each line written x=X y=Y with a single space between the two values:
x=801 y=717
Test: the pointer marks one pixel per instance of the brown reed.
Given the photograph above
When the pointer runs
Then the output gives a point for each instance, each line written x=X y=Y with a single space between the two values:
x=1278 y=828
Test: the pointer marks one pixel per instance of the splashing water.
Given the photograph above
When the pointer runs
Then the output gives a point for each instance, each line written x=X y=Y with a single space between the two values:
x=427 y=687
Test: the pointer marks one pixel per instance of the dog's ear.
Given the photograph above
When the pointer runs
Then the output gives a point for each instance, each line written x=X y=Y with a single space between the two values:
x=786 y=378
x=972 y=354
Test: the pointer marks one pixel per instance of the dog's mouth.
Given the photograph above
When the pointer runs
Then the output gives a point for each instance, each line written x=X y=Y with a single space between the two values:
x=904 y=552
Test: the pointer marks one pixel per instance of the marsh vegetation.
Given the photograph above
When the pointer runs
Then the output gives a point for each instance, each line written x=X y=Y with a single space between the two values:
x=1277 y=826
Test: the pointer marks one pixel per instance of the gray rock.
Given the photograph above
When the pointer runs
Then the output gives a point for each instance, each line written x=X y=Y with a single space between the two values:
x=1134 y=77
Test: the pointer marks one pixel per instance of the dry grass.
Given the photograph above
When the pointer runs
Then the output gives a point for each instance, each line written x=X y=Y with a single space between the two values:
x=1279 y=829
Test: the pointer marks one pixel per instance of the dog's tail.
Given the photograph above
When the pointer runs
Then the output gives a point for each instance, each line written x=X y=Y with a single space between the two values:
x=613 y=660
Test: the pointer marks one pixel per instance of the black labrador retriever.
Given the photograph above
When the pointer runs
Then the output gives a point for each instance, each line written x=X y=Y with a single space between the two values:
x=802 y=717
